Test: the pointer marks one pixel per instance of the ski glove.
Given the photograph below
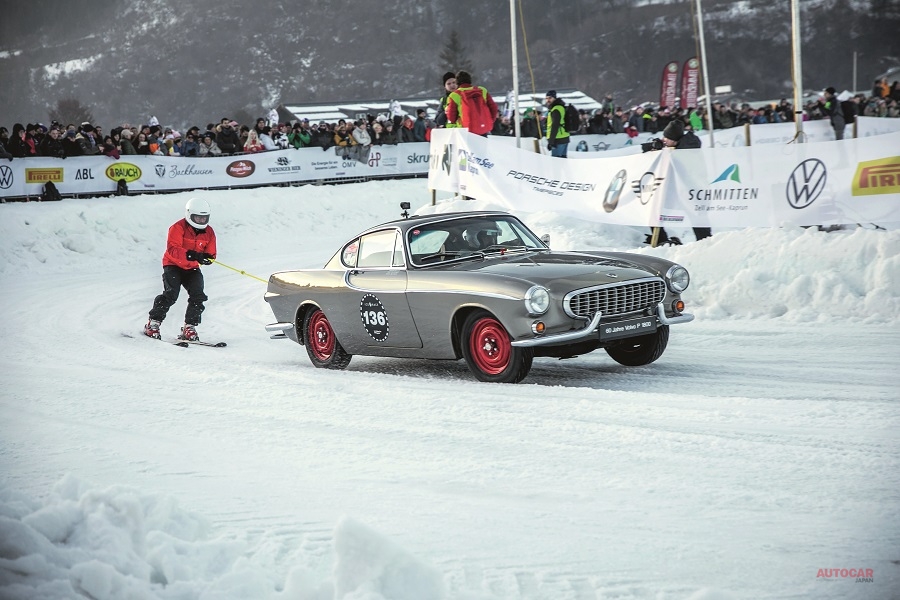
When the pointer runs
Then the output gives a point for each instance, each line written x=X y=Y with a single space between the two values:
x=205 y=259
x=193 y=255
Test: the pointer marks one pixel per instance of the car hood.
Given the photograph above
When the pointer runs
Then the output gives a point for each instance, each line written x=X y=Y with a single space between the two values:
x=578 y=269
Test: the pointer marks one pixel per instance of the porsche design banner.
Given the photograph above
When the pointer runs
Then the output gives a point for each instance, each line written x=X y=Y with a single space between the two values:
x=851 y=181
x=99 y=174
x=622 y=190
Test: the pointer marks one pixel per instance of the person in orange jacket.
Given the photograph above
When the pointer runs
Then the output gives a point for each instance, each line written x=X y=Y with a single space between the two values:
x=191 y=243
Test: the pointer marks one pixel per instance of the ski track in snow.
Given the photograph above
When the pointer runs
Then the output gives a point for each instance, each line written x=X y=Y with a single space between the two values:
x=753 y=453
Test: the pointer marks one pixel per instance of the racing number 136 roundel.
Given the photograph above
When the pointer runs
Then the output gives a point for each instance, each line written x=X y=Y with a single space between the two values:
x=374 y=317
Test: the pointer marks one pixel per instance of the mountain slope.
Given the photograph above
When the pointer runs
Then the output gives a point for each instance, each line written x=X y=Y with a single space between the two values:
x=190 y=63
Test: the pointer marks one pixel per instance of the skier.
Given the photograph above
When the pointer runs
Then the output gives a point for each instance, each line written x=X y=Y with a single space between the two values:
x=191 y=243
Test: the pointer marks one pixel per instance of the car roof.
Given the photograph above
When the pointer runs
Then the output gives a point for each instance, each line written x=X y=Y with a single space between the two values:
x=418 y=220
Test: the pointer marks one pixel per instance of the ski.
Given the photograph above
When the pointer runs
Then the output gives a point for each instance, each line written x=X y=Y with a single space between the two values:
x=178 y=342
x=185 y=343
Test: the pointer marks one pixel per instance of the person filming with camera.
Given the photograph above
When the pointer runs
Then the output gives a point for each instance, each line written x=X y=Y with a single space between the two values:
x=675 y=136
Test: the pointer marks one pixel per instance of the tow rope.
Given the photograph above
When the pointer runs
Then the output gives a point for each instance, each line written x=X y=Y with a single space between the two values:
x=245 y=273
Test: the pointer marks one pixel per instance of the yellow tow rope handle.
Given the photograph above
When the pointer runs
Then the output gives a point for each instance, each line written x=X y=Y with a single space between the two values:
x=218 y=262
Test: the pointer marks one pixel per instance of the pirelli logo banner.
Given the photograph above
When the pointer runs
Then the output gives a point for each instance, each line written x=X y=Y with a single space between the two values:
x=875 y=177
x=44 y=175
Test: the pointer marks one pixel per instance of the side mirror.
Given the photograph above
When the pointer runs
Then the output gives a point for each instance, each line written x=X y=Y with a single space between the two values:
x=546 y=238
x=404 y=206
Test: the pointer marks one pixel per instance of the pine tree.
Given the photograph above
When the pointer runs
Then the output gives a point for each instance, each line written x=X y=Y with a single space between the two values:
x=454 y=56
x=70 y=110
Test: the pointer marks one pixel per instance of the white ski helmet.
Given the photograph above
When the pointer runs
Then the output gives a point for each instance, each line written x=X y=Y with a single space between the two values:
x=196 y=211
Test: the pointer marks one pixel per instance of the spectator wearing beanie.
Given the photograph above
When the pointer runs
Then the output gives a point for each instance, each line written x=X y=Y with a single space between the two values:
x=450 y=86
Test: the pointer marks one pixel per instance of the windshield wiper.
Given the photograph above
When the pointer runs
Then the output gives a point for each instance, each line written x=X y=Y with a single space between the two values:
x=444 y=254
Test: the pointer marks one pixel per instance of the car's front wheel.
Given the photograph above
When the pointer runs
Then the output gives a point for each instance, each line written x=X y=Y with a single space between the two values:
x=322 y=346
x=489 y=352
x=641 y=350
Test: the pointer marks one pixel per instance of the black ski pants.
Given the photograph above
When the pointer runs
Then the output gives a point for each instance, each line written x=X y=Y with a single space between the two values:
x=174 y=278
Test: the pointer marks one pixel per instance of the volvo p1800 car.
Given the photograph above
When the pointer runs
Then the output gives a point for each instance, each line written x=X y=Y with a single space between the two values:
x=478 y=286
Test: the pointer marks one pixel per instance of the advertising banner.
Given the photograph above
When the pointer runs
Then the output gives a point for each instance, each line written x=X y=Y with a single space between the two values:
x=623 y=191
x=668 y=89
x=869 y=126
x=100 y=174
x=851 y=181
x=690 y=83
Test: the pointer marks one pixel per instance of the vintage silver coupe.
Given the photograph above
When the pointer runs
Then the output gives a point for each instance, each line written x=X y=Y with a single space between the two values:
x=479 y=286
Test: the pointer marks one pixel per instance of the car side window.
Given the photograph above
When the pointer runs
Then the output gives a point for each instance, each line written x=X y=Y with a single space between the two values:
x=377 y=249
x=351 y=251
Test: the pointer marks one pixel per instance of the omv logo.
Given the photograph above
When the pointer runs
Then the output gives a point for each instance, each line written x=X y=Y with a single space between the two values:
x=732 y=173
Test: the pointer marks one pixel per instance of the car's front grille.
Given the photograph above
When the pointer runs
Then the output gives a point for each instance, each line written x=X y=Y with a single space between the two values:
x=615 y=299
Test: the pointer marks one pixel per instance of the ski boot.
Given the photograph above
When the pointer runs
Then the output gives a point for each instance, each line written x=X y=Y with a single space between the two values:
x=151 y=329
x=189 y=333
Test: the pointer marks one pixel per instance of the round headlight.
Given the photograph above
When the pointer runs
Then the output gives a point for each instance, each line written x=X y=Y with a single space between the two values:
x=677 y=278
x=537 y=300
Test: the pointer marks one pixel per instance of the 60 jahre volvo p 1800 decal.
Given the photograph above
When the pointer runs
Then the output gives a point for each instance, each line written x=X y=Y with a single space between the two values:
x=374 y=318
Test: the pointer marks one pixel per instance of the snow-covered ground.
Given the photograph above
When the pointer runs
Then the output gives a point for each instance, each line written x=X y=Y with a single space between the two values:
x=757 y=456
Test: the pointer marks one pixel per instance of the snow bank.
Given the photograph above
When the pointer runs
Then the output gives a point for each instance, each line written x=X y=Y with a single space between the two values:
x=791 y=274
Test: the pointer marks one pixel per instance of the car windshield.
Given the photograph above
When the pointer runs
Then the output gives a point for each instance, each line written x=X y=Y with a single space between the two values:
x=475 y=237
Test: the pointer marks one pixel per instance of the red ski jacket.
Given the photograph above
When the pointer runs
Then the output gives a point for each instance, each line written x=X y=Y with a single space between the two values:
x=183 y=237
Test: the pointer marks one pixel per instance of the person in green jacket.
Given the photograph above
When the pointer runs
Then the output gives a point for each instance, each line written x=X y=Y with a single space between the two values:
x=557 y=136
x=300 y=136
x=697 y=118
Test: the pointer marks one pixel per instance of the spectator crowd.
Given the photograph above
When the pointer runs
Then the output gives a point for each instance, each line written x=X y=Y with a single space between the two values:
x=228 y=137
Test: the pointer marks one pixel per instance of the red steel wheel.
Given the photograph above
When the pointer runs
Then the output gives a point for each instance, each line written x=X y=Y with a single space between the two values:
x=322 y=345
x=489 y=345
x=489 y=352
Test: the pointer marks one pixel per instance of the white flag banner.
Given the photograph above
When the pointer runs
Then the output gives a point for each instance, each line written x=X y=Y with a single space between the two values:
x=851 y=181
x=869 y=126
x=623 y=191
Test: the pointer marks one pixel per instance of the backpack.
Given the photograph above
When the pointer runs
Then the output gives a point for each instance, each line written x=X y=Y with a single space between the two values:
x=573 y=119
x=50 y=193
x=476 y=115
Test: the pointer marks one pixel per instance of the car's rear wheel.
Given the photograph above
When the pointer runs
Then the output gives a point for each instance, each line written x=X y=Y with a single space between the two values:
x=322 y=346
x=489 y=352
x=641 y=350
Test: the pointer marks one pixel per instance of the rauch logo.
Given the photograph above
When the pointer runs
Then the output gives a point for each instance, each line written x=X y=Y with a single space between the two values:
x=241 y=168
x=126 y=171
x=880 y=176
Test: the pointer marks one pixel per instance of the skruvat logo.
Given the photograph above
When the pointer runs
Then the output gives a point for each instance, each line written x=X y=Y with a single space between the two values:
x=646 y=186
x=44 y=175
x=880 y=176
x=160 y=170
x=806 y=183
x=126 y=171
x=241 y=168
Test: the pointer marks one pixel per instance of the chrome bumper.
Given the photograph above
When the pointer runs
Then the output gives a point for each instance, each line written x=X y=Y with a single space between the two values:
x=590 y=329
x=682 y=318
x=568 y=336
x=278 y=330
